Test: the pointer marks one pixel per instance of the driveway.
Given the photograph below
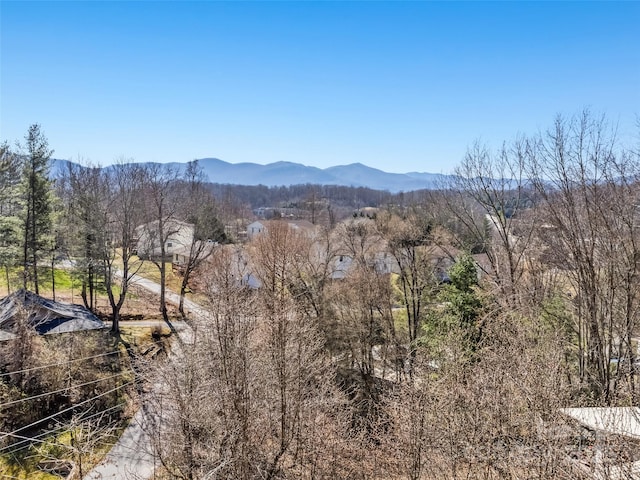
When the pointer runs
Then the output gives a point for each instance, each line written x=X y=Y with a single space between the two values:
x=132 y=457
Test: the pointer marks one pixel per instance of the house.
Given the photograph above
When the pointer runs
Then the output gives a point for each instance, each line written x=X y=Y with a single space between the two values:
x=304 y=226
x=341 y=267
x=181 y=255
x=230 y=260
x=45 y=316
x=257 y=227
x=178 y=235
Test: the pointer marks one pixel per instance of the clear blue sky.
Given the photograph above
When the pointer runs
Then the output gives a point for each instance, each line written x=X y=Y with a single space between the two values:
x=400 y=86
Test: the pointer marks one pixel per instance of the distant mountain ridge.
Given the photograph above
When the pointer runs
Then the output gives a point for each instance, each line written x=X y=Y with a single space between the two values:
x=289 y=173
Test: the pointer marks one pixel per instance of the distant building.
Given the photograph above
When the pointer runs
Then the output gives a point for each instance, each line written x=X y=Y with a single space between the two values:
x=178 y=236
x=181 y=256
x=257 y=227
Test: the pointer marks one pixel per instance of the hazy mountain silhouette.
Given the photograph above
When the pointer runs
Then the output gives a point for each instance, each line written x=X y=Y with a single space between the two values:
x=288 y=173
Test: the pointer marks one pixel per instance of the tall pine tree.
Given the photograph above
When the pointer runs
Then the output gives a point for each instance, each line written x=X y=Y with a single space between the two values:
x=9 y=209
x=36 y=193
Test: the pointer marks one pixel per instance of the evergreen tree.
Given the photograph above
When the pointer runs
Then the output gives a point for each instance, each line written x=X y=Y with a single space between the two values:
x=36 y=210
x=9 y=208
x=462 y=299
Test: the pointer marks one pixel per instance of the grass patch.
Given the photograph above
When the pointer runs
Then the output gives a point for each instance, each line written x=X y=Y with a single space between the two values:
x=151 y=272
x=65 y=281
x=400 y=321
x=23 y=468
x=143 y=336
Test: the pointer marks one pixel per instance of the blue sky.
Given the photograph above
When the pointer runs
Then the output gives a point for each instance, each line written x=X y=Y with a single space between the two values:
x=400 y=86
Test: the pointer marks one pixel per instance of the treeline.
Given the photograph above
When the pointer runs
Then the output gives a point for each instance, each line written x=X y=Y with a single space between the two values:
x=298 y=195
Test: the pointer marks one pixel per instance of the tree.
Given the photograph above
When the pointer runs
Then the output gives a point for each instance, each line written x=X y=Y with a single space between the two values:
x=210 y=413
x=36 y=214
x=293 y=368
x=199 y=210
x=407 y=239
x=588 y=188
x=312 y=274
x=161 y=207
x=9 y=209
x=252 y=396
x=462 y=301
x=361 y=302
x=86 y=193
x=494 y=185
x=120 y=264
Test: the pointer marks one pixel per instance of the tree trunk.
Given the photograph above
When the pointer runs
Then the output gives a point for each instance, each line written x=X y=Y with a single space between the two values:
x=53 y=277
x=183 y=291
x=6 y=271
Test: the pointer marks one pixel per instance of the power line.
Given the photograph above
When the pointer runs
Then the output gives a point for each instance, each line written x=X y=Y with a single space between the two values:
x=54 y=430
x=65 y=410
x=16 y=447
x=20 y=400
x=58 y=364
x=50 y=431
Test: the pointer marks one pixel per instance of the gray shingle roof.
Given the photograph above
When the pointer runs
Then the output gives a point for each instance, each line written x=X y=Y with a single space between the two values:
x=46 y=316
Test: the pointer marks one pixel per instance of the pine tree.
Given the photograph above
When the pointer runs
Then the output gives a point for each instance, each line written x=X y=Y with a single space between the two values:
x=9 y=207
x=36 y=214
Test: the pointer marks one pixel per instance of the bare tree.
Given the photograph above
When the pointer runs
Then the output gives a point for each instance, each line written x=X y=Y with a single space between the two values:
x=407 y=239
x=292 y=360
x=588 y=185
x=251 y=397
x=361 y=301
x=198 y=208
x=119 y=259
x=162 y=206
x=488 y=198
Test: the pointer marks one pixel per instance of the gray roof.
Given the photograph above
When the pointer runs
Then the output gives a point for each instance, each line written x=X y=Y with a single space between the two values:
x=45 y=316
x=612 y=420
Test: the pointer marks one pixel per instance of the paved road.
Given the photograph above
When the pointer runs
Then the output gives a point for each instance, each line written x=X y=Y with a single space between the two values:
x=179 y=325
x=132 y=457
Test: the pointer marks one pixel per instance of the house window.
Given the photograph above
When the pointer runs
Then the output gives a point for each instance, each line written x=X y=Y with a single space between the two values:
x=169 y=244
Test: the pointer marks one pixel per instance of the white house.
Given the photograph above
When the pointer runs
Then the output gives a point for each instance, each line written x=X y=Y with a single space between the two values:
x=254 y=229
x=178 y=236
x=257 y=227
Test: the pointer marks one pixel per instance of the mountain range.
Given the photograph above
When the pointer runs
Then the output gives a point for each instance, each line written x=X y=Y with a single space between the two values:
x=289 y=173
